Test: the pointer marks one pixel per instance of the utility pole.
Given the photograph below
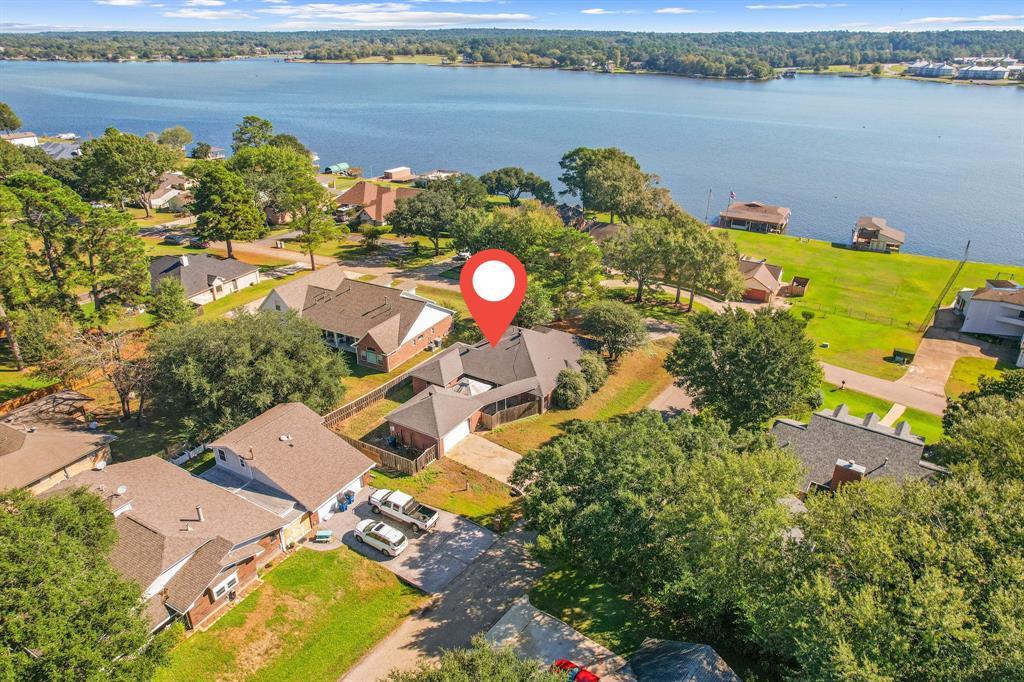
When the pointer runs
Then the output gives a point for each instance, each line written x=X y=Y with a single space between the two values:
x=707 y=209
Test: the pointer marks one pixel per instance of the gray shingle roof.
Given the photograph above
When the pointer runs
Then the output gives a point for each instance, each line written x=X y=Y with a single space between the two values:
x=834 y=434
x=200 y=272
x=661 y=660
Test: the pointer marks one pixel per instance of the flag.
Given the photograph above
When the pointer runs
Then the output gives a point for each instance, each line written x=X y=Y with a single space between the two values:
x=732 y=195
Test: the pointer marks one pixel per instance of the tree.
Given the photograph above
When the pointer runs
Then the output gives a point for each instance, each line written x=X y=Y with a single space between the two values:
x=571 y=389
x=465 y=191
x=608 y=179
x=17 y=279
x=52 y=213
x=479 y=662
x=617 y=326
x=291 y=142
x=594 y=370
x=175 y=137
x=638 y=252
x=513 y=182
x=428 y=214
x=987 y=434
x=746 y=368
x=535 y=308
x=169 y=306
x=314 y=224
x=122 y=168
x=699 y=258
x=1010 y=385
x=224 y=372
x=372 y=234
x=117 y=269
x=9 y=121
x=224 y=206
x=77 y=618
x=201 y=151
x=279 y=177
x=253 y=131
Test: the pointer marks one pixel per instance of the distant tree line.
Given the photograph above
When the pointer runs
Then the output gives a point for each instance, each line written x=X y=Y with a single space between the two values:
x=733 y=55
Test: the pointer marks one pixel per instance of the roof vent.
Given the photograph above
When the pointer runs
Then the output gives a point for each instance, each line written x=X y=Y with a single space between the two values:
x=285 y=437
x=183 y=259
x=100 y=465
x=30 y=429
x=121 y=490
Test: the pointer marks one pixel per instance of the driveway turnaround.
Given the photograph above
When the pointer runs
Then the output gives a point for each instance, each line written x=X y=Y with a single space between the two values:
x=536 y=634
x=491 y=459
x=433 y=559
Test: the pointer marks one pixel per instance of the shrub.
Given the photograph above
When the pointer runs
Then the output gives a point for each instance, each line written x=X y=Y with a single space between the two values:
x=594 y=370
x=572 y=389
x=808 y=315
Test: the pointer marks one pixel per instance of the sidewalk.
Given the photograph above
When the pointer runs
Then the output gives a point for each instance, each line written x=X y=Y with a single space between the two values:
x=893 y=391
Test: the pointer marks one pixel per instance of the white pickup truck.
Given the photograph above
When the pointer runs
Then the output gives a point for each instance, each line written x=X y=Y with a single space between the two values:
x=403 y=507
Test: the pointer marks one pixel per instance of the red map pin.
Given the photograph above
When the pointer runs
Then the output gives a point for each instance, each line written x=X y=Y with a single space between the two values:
x=493 y=284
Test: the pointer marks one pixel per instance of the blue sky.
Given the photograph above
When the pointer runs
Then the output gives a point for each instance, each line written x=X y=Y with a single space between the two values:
x=642 y=15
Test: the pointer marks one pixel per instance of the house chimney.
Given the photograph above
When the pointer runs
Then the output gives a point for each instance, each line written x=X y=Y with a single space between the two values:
x=846 y=472
x=199 y=514
x=183 y=259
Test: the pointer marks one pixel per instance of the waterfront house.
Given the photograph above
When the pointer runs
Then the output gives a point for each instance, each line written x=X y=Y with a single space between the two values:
x=875 y=234
x=986 y=73
x=471 y=386
x=374 y=203
x=755 y=216
x=25 y=139
x=286 y=460
x=172 y=193
x=48 y=441
x=399 y=174
x=383 y=326
x=62 y=151
x=836 y=447
x=996 y=309
x=762 y=281
x=205 y=278
x=927 y=69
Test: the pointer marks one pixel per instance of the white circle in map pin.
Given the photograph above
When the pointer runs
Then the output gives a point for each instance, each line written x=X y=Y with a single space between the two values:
x=493 y=281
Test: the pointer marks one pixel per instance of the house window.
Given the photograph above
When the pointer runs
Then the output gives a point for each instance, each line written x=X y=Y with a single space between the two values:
x=223 y=586
x=241 y=462
x=222 y=456
x=277 y=307
x=1020 y=315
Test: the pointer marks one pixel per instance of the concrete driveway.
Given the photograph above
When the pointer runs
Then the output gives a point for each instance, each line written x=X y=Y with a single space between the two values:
x=536 y=634
x=432 y=559
x=488 y=458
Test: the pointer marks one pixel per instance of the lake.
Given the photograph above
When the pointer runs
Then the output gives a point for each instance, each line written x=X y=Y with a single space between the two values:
x=943 y=163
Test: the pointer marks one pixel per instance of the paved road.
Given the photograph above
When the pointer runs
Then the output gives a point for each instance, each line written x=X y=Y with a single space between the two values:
x=894 y=391
x=270 y=252
x=473 y=602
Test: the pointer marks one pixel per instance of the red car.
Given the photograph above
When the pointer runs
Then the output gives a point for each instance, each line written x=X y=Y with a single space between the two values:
x=577 y=673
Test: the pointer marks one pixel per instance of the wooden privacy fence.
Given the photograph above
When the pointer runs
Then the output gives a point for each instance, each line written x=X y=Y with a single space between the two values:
x=391 y=460
x=32 y=396
x=509 y=414
x=364 y=401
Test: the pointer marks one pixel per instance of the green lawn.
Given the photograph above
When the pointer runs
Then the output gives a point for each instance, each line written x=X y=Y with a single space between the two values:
x=215 y=309
x=367 y=420
x=921 y=423
x=198 y=465
x=362 y=379
x=316 y=614
x=445 y=297
x=156 y=217
x=160 y=429
x=448 y=485
x=967 y=371
x=865 y=304
x=613 y=618
x=658 y=305
x=12 y=382
x=126 y=322
x=637 y=380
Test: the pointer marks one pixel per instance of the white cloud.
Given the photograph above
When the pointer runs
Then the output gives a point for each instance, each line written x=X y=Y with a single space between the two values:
x=601 y=12
x=674 y=10
x=207 y=14
x=121 y=3
x=965 y=20
x=381 y=15
x=800 y=5
x=204 y=3
x=276 y=2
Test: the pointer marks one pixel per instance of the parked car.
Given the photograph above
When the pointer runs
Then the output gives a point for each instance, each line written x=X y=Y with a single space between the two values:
x=461 y=256
x=197 y=243
x=177 y=239
x=380 y=535
x=403 y=507
x=575 y=672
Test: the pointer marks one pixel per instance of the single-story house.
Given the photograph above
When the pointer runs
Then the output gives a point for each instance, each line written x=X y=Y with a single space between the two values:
x=996 y=309
x=190 y=545
x=382 y=325
x=374 y=202
x=466 y=387
x=755 y=216
x=25 y=139
x=287 y=462
x=836 y=447
x=172 y=193
x=659 y=660
x=875 y=234
x=62 y=151
x=399 y=174
x=762 y=281
x=205 y=278
x=48 y=441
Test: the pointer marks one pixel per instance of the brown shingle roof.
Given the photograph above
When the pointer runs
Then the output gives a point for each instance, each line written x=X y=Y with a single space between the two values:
x=874 y=224
x=293 y=293
x=189 y=583
x=311 y=465
x=765 y=274
x=1015 y=296
x=384 y=203
x=756 y=211
x=32 y=448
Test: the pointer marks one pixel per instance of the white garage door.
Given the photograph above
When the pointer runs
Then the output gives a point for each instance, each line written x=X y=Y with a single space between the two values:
x=455 y=435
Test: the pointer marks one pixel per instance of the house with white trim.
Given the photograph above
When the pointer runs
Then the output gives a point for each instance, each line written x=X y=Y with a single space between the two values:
x=996 y=309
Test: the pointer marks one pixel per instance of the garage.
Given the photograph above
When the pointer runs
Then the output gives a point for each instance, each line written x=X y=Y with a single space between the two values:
x=451 y=438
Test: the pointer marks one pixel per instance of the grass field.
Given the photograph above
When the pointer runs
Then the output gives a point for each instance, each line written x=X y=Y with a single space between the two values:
x=362 y=379
x=637 y=380
x=156 y=217
x=12 y=382
x=448 y=485
x=215 y=309
x=968 y=371
x=315 y=615
x=659 y=305
x=367 y=420
x=864 y=304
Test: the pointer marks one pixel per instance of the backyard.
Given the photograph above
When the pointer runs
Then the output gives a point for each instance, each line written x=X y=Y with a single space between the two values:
x=865 y=304
x=636 y=381
x=314 y=616
x=968 y=371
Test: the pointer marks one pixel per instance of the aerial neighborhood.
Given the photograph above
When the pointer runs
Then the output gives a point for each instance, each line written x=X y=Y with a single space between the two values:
x=252 y=427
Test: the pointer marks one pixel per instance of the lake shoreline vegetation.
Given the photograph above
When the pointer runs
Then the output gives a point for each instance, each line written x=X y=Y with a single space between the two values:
x=725 y=55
